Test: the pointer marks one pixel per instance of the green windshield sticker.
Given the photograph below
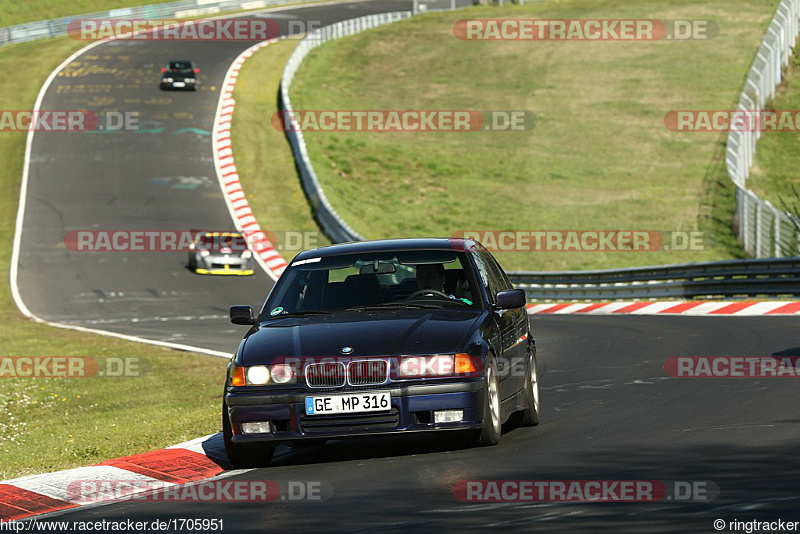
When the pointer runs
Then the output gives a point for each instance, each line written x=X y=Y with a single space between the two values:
x=276 y=311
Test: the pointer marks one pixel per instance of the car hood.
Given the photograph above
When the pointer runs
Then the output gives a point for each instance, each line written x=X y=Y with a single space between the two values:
x=367 y=333
x=220 y=254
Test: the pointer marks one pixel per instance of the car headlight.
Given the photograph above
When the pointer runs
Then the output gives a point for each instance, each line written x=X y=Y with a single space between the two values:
x=190 y=80
x=258 y=375
x=262 y=375
x=416 y=366
x=436 y=365
x=204 y=253
x=166 y=80
x=282 y=374
x=246 y=255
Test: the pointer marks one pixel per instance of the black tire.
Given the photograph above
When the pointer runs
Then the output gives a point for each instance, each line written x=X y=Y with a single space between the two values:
x=244 y=456
x=530 y=416
x=492 y=427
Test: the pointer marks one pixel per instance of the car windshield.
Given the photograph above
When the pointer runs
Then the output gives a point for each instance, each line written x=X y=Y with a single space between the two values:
x=180 y=66
x=413 y=279
x=221 y=242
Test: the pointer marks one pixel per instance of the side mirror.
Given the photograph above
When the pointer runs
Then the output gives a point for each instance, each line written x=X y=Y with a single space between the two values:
x=242 y=315
x=510 y=298
x=163 y=69
x=196 y=71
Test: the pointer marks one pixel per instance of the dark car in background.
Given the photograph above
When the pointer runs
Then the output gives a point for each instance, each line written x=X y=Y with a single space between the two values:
x=380 y=338
x=179 y=74
x=223 y=253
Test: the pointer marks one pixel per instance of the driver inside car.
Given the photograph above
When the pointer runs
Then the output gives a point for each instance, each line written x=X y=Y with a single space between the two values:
x=430 y=276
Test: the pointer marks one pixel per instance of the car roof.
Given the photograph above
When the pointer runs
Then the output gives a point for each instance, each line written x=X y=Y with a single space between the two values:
x=382 y=245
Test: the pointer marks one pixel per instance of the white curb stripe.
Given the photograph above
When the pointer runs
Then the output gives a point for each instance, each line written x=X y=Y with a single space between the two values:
x=56 y=485
x=656 y=307
x=268 y=258
x=711 y=308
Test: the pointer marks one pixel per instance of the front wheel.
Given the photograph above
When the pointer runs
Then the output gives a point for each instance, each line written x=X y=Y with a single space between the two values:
x=490 y=434
x=243 y=456
x=530 y=417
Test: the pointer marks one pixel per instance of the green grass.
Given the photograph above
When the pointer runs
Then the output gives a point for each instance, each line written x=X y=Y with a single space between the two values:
x=600 y=157
x=49 y=424
x=15 y=12
x=263 y=156
x=777 y=159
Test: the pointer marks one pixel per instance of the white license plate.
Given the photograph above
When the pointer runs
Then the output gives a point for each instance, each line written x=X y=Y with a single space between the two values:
x=352 y=403
x=179 y=84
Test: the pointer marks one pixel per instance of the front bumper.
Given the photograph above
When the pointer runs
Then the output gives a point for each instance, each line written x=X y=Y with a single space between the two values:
x=179 y=85
x=411 y=410
x=226 y=271
x=224 y=265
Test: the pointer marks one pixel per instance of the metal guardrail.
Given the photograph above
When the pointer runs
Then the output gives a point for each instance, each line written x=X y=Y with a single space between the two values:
x=731 y=278
x=327 y=218
x=763 y=229
x=329 y=221
x=45 y=29
x=734 y=278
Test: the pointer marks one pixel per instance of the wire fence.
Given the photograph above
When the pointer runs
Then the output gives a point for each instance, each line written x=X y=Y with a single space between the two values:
x=763 y=229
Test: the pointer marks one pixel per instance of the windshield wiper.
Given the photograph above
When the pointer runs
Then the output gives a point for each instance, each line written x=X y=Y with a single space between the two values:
x=394 y=306
x=298 y=313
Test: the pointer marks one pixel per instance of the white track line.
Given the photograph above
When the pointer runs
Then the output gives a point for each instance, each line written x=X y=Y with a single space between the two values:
x=23 y=194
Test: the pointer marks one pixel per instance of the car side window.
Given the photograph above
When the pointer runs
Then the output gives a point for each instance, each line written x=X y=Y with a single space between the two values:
x=501 y=274
x=482 y=272
x=496 y=282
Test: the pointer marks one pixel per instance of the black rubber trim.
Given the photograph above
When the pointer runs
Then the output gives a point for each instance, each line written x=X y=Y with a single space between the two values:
x=238 y=397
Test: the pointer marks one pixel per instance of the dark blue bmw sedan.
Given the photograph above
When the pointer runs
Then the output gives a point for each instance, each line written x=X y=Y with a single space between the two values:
x=381 y=337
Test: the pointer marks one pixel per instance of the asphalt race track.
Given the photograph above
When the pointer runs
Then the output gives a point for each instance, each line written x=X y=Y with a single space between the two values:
x=609 y=413
x=609 y=410
x=160 y=177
